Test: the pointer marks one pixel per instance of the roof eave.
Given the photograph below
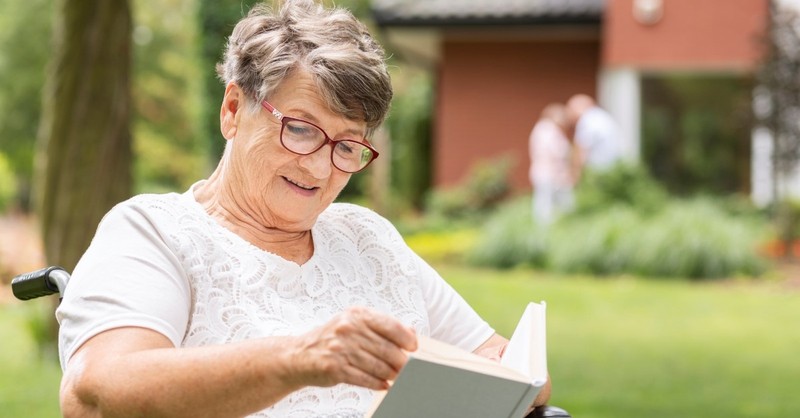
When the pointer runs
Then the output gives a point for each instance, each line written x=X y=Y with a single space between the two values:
x=388 y=20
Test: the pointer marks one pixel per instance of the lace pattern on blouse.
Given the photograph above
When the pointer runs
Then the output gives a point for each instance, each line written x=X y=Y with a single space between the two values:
x=241 y=292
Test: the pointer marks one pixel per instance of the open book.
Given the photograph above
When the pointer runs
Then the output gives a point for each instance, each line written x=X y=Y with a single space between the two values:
x=442 y=381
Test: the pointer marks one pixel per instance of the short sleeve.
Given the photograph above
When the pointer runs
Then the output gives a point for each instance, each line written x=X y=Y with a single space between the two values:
x=452 y=320
x=128 y=277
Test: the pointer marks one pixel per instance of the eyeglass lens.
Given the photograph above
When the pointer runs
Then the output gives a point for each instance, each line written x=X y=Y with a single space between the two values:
x=304 y=138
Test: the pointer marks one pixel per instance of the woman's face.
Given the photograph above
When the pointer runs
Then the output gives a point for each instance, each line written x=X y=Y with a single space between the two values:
x=277 y=188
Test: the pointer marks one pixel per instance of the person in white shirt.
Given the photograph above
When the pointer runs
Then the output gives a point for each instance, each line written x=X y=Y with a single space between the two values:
x=596 y=135
x=252 y=293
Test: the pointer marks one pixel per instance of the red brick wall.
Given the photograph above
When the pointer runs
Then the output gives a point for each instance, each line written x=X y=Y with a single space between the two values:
x=490 y=94
x=692 y=34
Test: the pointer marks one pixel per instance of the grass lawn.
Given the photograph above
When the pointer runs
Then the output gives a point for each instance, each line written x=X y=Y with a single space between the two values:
x=634 y=348
x=617 y=347
x=28 y=381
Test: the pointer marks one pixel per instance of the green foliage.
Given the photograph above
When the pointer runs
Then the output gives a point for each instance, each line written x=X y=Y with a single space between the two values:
x=510 y=238
x=787 y=219
x=690 y=239
x=216 y=20
x=8 y=185
x=624 y=184
x=25 y=36
x=599 y=243
x=696 y=132
x=409 y=125
x=169 y=153
x=486 y=186
x=624 y=223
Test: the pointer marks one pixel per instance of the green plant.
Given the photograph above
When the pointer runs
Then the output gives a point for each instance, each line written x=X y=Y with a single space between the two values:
x=691 y=239
x=510 y=238
x=440 y=246
x=485 y=187
x=8 y=185
x=599 y=243
x=624 y=184
x=698 y=238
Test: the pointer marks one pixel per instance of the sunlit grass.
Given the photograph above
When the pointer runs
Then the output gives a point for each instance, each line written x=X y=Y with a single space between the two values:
x=628 y=347
x=28 y=381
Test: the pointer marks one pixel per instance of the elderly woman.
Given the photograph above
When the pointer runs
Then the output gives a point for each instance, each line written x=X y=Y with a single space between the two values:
x=252 y=293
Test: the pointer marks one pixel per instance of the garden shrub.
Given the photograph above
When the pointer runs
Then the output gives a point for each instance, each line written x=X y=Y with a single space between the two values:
x=697 y=239
x=485 y=186
x=690 y=239
x=624 y=184
x=597 y=243
x=639 y=231
x=510 y=237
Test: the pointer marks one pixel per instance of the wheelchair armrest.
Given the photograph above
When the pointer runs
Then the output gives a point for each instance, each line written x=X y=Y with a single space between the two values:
x=549 y=411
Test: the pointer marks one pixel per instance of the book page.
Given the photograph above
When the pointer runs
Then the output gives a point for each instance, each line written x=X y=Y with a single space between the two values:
x=526 y=351
x=435 y=351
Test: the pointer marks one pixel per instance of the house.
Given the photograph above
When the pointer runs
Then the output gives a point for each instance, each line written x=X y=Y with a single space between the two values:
x=497 y=63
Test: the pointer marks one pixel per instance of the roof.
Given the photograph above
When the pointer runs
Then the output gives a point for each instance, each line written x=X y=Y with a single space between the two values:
x=486 y=12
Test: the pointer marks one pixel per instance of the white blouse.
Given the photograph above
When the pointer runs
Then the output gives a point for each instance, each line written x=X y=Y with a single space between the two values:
x=161 y=262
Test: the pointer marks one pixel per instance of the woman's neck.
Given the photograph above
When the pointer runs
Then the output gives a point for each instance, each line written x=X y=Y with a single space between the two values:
x=216 y=198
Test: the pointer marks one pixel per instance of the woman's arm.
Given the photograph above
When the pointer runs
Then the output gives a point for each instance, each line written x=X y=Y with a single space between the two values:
x=137 y=372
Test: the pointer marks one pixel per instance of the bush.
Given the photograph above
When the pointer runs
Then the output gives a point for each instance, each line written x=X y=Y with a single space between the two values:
x=598 y=243
x=624 y=184
x=697 y=239
x=485 y=187
x=510 y=238
x=691 y=239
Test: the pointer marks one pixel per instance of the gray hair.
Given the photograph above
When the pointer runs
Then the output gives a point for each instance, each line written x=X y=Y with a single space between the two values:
x=331 y=45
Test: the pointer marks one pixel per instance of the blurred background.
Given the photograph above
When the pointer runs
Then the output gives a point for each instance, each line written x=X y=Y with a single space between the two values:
x=673 y=283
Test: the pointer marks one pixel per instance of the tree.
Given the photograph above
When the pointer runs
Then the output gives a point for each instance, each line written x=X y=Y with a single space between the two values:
x=777 y=105
x=84 y=153
x=779 y=92
x=24 y=31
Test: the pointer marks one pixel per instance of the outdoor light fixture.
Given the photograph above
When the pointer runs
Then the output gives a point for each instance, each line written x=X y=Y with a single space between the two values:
x=648 y=12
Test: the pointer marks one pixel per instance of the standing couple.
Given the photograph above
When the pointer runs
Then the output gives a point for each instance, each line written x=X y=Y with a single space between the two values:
x=566 y=140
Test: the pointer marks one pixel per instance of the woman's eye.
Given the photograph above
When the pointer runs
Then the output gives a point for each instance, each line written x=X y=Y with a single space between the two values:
x=300 y=130
x=344 y=148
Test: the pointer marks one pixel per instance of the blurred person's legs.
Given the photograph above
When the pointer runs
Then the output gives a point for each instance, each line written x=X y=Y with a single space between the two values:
x=543 y=203
x=563 y=200
x=550 y=201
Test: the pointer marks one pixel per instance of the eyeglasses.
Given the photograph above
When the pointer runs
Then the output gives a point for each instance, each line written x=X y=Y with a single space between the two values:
x=304 y=138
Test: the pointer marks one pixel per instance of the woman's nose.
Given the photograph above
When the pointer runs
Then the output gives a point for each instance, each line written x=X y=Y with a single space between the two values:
x=318 y=163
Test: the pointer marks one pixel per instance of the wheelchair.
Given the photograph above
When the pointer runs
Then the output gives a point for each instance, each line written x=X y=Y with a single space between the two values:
x=54 y=279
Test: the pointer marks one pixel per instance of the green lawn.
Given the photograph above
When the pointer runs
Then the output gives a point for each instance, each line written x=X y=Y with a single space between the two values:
x=28 y=381
x=617 y=347
x=633 y=348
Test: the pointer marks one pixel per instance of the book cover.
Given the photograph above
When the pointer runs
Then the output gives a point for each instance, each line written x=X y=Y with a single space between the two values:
x=443 y=381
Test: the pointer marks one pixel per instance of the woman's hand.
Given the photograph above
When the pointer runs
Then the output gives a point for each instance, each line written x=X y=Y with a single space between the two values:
x=360 y=346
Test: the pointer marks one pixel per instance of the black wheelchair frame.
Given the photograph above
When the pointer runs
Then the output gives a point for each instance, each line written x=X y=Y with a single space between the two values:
x=54 y=279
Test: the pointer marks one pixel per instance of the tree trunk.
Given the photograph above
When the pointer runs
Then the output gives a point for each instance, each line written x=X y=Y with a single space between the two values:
x=84 y=149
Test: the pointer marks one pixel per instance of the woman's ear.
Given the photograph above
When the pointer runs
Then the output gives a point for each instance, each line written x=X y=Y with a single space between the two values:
x=232 y=104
